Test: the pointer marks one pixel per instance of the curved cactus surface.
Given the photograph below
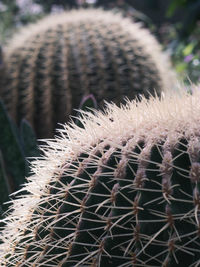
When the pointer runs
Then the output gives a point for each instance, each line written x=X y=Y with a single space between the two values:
x=51 y=65
x=123 y=191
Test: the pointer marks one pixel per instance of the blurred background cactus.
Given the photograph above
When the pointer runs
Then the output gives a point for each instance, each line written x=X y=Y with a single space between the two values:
x=50 y=66
x=174 y=22
x=123 y=191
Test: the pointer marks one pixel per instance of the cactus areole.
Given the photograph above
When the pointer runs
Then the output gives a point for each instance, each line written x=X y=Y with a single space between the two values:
x=123 y=191
x=51 y=65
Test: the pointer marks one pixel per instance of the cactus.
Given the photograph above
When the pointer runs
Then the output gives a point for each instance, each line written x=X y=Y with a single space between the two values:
x=122 y=191
x=51 y=65
x=15 y=146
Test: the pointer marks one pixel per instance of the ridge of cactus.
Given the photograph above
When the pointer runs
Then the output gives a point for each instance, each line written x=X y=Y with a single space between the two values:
x=50 y=65
x=122 y=191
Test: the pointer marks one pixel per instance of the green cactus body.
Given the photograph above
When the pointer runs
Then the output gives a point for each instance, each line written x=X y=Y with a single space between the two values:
x=123 y=191
x=51 y=65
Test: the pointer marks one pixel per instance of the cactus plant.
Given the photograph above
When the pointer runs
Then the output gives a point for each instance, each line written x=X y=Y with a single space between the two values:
x=51 y=65
x=122 y=191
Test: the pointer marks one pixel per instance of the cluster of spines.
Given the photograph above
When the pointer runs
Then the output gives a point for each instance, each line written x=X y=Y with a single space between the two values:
x=124 y=200
x=144 y=215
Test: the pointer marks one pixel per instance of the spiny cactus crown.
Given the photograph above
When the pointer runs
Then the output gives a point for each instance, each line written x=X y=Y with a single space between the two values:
x=52 y=64
x=123 y=191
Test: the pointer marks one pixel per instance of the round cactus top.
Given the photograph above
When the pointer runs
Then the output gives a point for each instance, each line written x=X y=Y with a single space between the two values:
x=93 y=18
x=173 y=116
x=102 y=21
x=153 y=122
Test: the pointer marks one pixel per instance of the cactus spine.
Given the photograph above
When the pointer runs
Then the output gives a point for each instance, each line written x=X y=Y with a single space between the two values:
x=123 y=191
x=51 y=65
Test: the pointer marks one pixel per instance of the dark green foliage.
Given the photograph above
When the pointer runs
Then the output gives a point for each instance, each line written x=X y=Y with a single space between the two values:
x=28 y=140
x=8 y=15
x=5 y=187
x=11 y=149
x=190 y=21
x=14 y=148
x=1 y=59
x=47 y=4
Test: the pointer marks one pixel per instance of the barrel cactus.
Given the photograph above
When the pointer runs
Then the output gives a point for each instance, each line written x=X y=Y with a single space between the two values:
x=51 y=65
x=122 y=191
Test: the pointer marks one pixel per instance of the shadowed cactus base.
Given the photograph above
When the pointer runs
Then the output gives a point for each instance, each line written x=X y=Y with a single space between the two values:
x=124 y=191
x=51 y=65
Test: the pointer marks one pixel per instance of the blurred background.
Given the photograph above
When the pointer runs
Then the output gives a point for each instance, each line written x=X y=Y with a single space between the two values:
x=174 y=22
